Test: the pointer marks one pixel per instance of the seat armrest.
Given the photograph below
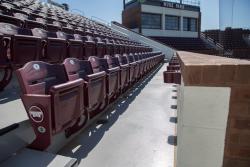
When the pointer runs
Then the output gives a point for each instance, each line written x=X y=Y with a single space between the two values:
x=27 y=37
x=67 y=85
x=75 y=41
x=96 y=75
x=57 y=39
x=124 y=66
x=90 y=42
x=113 y=70
x=133 y=63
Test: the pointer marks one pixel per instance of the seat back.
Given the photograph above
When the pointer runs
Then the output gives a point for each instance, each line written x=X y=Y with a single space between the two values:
x=96 y=84
x=3 y=52
x=90 y=48
x=52 y=103
x=23 y=46
x=38 y=77
x=75 y=47
x=95 y=63
x=55 y=49
x=122 y=59
x=100 y=48
x=131 y=58
x=112 y=61
x=89 y=45
x=76 y=68
x=136 y=57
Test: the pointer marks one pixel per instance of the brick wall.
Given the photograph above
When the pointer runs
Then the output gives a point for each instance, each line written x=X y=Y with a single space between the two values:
x=207 y=70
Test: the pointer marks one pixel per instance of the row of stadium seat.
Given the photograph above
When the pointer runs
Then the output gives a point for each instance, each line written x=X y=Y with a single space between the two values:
x=38 y=44
x=64 y=97
x=21 y=45
x=38 y=16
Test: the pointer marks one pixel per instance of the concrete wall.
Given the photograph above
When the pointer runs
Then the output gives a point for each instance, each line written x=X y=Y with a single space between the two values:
x=202 y=122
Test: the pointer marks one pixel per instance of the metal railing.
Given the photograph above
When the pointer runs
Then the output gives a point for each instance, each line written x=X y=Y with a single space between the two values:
x=99 y=20
x=185 y=2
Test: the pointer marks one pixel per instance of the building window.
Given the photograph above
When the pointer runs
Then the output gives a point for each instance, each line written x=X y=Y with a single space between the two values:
x=185 y=24
x=151 y=21
x=172 y=22
x=190 y=24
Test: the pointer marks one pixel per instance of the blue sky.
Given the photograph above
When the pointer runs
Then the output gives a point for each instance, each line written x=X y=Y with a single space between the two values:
x=111 y=10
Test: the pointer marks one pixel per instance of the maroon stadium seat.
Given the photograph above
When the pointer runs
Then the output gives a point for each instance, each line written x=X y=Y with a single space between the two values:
x=54 y=49
x=75 y=47
x=23 y=46
x=132 y=67
x=109 y=50
x=113 y=62
x=94 y=87
x=139 y=62
x=53 y=26
x=4 y=63
x=11 y=20
x=89 y=45
x=132 y=61
x=125 y=70
x=113 y=76
x=28 y=22
x=52 y=104
x=100 y=47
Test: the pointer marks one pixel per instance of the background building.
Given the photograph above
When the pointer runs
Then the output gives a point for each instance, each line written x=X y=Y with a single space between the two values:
x=163 y=18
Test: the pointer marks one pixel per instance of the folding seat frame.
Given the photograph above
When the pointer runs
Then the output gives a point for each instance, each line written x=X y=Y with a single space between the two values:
x=124 y=59
x=23 y=46
x=142 y=66
x=74 y=47
x=28 y=23
x=136 y=65
x=108 y=47
x=95 y=99
x=4 y=63
x=112 y=76
x=125 y=71
x=100 y=47
x=116 y=47
x=53 y=26
x=139 y=62
x=54 y=49
x=89 y=45
x=53 y=105
x=11 y=20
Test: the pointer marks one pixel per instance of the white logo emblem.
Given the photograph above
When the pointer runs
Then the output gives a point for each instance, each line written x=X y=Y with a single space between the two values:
x=36 y=67
x=72 y=62
x=36 y=114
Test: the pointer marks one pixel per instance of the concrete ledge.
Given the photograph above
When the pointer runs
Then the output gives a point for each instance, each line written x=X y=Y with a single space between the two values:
x=202 y=109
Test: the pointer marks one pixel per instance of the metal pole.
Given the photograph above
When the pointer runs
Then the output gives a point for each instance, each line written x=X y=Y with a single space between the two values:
x=123 y=4
x=180 y=1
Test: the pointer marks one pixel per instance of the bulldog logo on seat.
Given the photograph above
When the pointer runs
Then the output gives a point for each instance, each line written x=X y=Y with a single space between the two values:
x=36 y=114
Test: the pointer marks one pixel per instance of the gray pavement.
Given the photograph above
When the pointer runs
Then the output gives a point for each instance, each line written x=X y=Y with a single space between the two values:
x=140 y=131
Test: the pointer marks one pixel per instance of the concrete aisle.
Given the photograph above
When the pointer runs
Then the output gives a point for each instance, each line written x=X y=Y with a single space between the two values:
x=140 y=131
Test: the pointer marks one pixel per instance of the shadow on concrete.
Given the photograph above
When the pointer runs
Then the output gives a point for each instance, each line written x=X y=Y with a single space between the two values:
x=173 y=120
x=87 y=140
x=172 y=140
x=9 y=95
x=174 y=107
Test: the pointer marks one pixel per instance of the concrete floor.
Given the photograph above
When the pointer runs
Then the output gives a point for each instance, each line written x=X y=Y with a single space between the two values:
x=11 y=106
x=140 y=131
